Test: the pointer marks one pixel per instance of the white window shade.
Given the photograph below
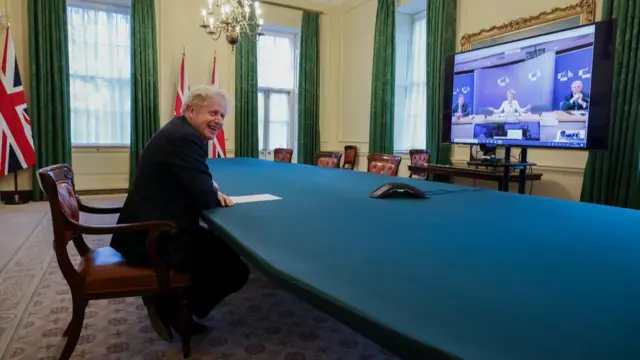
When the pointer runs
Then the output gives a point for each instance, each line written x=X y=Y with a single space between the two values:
x=279 y=120
x=100 y=75
x=411 y=128
x=276 y=62
x=261 y=116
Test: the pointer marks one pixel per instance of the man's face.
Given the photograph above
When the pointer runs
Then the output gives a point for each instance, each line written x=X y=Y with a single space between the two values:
x=207 y=120
x=461 y=100
x=576 y=88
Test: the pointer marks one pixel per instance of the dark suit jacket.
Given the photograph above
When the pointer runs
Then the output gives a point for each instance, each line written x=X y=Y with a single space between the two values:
x=465 y=109
x=566 y=105
x=172 y=182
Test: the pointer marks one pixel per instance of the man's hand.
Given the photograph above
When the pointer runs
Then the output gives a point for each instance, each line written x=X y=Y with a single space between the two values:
x=224 y=200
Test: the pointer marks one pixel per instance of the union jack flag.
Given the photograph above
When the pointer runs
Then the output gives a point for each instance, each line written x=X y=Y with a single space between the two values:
x=217 y=147
x=183 y=88
x=16 y=142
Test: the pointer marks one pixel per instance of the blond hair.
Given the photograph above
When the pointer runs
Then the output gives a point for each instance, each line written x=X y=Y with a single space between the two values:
x=511 y=92
x=198 y=96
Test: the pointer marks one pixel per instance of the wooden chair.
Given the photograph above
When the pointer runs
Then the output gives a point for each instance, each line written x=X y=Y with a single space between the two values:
x=328 y=159
x=102 y=272
x=350 y=157
x=419 y=157
x=282 y=155
x=383 y=164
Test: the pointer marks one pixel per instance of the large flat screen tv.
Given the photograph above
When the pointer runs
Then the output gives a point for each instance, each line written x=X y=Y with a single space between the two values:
x=550 y=91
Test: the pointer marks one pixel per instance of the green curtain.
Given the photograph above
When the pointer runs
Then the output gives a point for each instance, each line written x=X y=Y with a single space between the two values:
x=49 y=80
x=383 y=79
x=145 y=114
x=441 y=41
x=309 y=90
x=246 y=99
x=611 y=177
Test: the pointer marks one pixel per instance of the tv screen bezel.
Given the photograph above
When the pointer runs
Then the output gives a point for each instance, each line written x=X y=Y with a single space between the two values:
x=602 y=72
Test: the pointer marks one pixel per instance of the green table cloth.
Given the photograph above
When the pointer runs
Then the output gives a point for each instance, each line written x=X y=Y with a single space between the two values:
x=468 y=273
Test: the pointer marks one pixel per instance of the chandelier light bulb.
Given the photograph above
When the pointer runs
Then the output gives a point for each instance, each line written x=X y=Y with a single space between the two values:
x=232 y=20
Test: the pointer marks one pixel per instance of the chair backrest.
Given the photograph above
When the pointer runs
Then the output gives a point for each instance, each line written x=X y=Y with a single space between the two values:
x=328 y=159
x=419 y=156
x=57 y=183
x=350 y=157
x=282 y=155
x=383 y=164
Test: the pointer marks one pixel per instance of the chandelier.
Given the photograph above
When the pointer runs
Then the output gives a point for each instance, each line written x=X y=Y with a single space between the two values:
x=233 y=18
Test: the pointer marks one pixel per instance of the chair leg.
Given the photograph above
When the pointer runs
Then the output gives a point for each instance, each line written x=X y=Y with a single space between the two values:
x=74 y=328
x=185 y=326
x=66 y=331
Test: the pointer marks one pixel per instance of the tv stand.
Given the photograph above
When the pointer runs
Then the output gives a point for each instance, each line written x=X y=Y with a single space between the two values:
x=521 y=165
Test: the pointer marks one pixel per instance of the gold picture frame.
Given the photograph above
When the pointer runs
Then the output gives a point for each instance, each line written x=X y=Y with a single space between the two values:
x=582 y=12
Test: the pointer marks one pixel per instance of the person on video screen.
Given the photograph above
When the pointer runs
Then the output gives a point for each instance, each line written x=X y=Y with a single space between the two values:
x=511 y=105
x=577 y=99
x=461 y=109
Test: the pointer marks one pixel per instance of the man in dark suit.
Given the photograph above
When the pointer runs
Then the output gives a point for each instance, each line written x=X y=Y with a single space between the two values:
x=577 y=100
x=173 y=183
x=461 y=109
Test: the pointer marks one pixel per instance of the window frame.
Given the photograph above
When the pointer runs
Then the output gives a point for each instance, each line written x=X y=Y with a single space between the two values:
x=294 y=37
x=122 y=7
x=116 y=6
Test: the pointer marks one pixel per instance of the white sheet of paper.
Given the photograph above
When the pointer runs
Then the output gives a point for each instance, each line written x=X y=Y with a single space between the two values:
x=253 y=198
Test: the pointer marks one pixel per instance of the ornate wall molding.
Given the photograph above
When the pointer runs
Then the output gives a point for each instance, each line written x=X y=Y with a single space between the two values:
x=586 y=9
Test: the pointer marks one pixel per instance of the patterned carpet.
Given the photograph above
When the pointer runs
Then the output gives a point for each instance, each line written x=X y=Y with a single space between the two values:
x=260 y=322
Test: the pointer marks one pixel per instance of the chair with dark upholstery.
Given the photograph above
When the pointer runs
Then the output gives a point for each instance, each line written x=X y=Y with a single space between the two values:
x=102 y=272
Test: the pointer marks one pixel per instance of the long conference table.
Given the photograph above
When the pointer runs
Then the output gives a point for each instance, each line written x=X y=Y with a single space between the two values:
x=469 y=273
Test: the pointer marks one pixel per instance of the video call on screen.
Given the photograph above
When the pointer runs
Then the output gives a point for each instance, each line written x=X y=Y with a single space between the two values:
x=531 y=92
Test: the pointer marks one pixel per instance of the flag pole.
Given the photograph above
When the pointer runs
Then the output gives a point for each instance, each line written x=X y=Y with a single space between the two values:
x=15 y=199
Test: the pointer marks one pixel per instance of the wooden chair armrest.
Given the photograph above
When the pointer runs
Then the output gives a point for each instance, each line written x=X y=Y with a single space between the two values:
x=160 y=268
x=113 y=229
x=98 y=210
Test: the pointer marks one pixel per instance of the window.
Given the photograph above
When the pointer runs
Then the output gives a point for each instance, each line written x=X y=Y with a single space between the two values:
x=100 y=74
x=411 y=86
x=277 y=81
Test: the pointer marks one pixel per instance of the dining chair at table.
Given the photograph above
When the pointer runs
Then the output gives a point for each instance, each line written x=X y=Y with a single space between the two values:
x=102 y=272
x=328 y=159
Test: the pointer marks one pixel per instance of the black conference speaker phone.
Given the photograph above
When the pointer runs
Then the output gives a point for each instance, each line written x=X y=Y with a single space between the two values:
x=398 y=190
